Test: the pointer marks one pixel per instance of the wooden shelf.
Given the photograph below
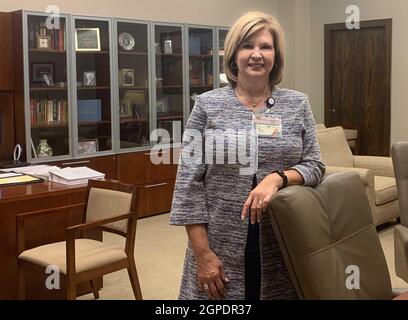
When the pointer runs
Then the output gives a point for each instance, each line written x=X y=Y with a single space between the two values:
x=198 y=86
x=92 y=52
x=132 y=120
x=133 y=53
x=48 y=88
x=169 y=55
x=170 y=117
x=169 y=87
x=201 y=56
x=50 y=125
x=133 y=88
x=47 y=51
x=93 y=123
x=93 y=88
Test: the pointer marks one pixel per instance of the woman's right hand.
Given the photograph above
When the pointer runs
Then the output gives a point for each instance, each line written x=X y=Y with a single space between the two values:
x=211 y=276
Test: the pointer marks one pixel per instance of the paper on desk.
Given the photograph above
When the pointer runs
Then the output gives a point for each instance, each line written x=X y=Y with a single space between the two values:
x=40 y=171
x=76 y=175
x=8 y=175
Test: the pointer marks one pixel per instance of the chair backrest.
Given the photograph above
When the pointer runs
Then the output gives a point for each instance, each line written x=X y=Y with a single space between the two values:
x=320 y=126
x=108 y=199
x=334 y=149
x=399 y=154
x=328 y=240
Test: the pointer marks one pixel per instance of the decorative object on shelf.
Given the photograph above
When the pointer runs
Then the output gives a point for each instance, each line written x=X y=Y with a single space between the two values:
x=43 y=41
x=87 y=39
x=125 y=109
x=38 y=69
x=89 y=79
x=136 y=100
x=89 y=110
x=194 y=44
x=44 y=149
x=162 y=106
x=47 y=79
x=87 y=146
x=126 y=77
x=126 y=41
x=168 y=47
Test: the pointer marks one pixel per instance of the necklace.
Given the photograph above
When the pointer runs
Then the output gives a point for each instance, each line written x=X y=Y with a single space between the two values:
x=253 y=104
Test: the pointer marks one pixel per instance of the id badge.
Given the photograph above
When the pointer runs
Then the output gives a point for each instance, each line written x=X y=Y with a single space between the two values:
x=267 y=125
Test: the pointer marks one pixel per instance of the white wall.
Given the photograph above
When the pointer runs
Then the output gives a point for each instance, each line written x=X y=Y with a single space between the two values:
x=333 y=11
x=208 y=12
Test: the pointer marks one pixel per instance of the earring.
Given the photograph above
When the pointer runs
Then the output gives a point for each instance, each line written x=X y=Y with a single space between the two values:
x=234 y=65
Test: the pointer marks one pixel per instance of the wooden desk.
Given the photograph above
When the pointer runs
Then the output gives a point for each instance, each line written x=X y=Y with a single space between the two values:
x=41 y=230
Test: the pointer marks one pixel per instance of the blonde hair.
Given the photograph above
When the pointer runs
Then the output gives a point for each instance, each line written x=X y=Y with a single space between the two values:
x=246 y=26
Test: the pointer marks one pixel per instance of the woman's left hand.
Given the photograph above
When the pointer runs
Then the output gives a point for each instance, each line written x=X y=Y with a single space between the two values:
x=258 y=199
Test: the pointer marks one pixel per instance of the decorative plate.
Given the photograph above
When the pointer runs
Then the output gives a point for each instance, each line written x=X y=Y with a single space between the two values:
x=126 y=41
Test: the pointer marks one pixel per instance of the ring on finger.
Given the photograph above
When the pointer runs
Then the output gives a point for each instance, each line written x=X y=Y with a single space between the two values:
x=205 y=286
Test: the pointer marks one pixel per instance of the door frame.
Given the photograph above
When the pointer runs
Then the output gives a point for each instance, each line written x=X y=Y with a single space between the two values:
x=328 y=28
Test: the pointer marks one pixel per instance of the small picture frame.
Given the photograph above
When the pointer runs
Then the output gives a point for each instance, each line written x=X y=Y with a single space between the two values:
x=88 y=146
x=125 y=109
x=38 y=69
x=47 y=80
x=87 y=39
x=43 y=41
x=162 y=106
x=89 y=79
x=126 y=77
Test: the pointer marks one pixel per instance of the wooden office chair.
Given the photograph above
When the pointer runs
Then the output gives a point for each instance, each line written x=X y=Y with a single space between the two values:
x=110 y=206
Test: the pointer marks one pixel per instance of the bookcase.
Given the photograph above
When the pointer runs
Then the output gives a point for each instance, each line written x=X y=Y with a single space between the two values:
x=102 y=91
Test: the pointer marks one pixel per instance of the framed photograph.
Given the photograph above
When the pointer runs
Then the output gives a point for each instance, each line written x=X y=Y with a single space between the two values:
x=38 y=69
x=43 y=42
x=126 y=77
x=47 y=80
x=125 y=109
x=87 y=39
x=137 y=101
x=162 y=106
x=89 y=79
x=87 y=146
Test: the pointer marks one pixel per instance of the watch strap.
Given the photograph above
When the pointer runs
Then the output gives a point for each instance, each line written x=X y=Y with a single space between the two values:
x=283 y=176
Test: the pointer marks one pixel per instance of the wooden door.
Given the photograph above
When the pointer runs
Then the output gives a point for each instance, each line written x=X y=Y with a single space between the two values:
x=358 y=82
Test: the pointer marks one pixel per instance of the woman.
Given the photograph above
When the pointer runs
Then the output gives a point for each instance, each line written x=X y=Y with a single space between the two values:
x=232 y=252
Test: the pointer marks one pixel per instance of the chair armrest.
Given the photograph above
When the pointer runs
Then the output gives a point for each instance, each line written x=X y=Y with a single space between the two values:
x=366 y=175
x=381 y=166
x=401 y=252
x=20 y=220
x=98 y=223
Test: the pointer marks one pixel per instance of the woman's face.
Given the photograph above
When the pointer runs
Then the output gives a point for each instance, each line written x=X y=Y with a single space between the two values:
x=256 y=55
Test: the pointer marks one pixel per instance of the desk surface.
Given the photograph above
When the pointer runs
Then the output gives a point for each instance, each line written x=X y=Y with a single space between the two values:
x=34 y=190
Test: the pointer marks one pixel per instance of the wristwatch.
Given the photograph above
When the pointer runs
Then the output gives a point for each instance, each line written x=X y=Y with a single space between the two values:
x=283 y=176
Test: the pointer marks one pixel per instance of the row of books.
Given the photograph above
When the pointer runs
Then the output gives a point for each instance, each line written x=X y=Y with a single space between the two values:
x=55 y=37
x=45 y=111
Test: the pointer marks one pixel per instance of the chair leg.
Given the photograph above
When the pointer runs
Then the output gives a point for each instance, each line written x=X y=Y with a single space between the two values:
x=71 y=290
x=21 y=284
x=95 y=289
x=134 y=280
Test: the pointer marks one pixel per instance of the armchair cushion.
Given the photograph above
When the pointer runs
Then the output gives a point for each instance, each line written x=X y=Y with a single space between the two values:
x=334 y=148
x=366 y=175
x=89 y=254
x=385 y=190
x=381 y=166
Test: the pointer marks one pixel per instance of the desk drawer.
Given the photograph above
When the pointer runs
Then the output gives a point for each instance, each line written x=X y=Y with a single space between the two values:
x=156 y=198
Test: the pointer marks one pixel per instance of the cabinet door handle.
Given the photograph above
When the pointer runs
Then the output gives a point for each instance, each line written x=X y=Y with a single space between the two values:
x=157 y=152
x=156 y=185
x=75 y=162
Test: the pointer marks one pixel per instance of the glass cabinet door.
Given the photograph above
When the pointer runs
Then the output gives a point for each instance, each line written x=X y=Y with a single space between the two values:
x=133 y=84
x=221 y=39
x=93 y=85
x=168 y=42
x=200 y=52
x=48 y=109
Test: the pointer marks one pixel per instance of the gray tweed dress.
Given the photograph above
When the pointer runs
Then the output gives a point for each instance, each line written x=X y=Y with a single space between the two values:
x=213 y=191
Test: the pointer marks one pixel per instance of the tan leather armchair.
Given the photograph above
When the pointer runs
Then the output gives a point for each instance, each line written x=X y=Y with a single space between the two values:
x=377 y=173
x=399 y=153
x=329 y=242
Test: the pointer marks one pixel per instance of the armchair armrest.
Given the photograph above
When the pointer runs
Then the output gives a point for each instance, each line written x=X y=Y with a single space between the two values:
x=401 y=252
x=20 y=220
x=366 y=175
x=381 y=166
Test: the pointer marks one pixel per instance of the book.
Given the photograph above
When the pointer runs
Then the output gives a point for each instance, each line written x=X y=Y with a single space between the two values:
x=72 y=176
x=89 y=110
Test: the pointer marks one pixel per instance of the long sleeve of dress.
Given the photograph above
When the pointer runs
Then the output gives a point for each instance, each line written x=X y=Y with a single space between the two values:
x=189 y=198
x=310 y=166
